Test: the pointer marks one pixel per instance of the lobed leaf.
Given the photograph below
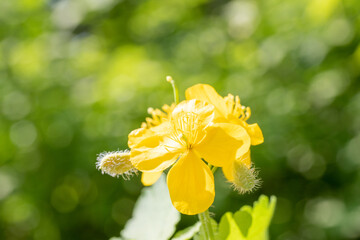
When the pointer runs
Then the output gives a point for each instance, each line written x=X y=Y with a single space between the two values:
x=228 y=229
x=249 y=223
x=154 y=217
x=188 y=232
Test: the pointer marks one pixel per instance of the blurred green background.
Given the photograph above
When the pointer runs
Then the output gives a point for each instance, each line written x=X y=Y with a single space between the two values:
x=76 y=76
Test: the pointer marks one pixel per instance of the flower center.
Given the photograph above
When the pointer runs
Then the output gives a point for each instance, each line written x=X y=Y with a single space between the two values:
x=187 y=129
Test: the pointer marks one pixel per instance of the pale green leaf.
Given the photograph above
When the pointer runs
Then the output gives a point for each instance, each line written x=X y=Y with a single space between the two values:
x=154 y=217
x=262 y=213
x=187 y=233
x=228 y=229
x=249 y=223
x=243 y=220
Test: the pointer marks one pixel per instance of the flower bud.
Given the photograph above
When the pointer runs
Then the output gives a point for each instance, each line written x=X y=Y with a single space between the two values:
x=245 y=178
x=116 y=163
x=169 y=79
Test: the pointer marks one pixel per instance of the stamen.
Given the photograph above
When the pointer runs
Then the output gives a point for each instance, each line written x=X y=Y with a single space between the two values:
x=157 y=116
x=186 y=128
x=247 y=113
x=236 y=109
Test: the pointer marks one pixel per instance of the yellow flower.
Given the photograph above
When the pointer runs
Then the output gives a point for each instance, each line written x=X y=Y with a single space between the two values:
x=118 y=162
x=157 y=117
x=185 y=141
x=228 y=109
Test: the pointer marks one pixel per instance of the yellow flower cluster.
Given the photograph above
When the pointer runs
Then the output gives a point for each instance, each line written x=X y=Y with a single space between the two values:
x=192 y=137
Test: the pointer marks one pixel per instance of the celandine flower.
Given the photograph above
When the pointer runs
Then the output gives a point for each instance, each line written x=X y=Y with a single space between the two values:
x=157 y=117
x=188 y=138
x=228 y=110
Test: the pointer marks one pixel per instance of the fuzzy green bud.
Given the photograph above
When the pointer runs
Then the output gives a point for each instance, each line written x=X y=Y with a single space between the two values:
x=245 y=178
x=116 y=163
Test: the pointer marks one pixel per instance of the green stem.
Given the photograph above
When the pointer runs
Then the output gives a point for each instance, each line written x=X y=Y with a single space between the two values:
x=175 y=90
x=207 y=226
x=205 y=217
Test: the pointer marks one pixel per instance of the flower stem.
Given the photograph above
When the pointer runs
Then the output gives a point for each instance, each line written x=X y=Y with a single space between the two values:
x=205 y=217
x=207 y=226
x=175 y=90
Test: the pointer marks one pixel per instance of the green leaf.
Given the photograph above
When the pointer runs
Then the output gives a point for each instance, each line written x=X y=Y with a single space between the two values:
x=188 y=232
x=154 y=217
x=249 y=223
x=228 y=229
x=243 y=219
x=116 y=238
x=261 y=213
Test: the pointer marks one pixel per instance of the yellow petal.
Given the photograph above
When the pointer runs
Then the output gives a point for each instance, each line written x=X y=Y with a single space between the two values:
x=253 y=130
x=255 y=134
x=207 y=93
x=152 y=156
x=149 y=178
x=140 y=134
x=223 y=142
x=228 y=170
x=191 y=185
x=152 y=151
x=137 y=136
